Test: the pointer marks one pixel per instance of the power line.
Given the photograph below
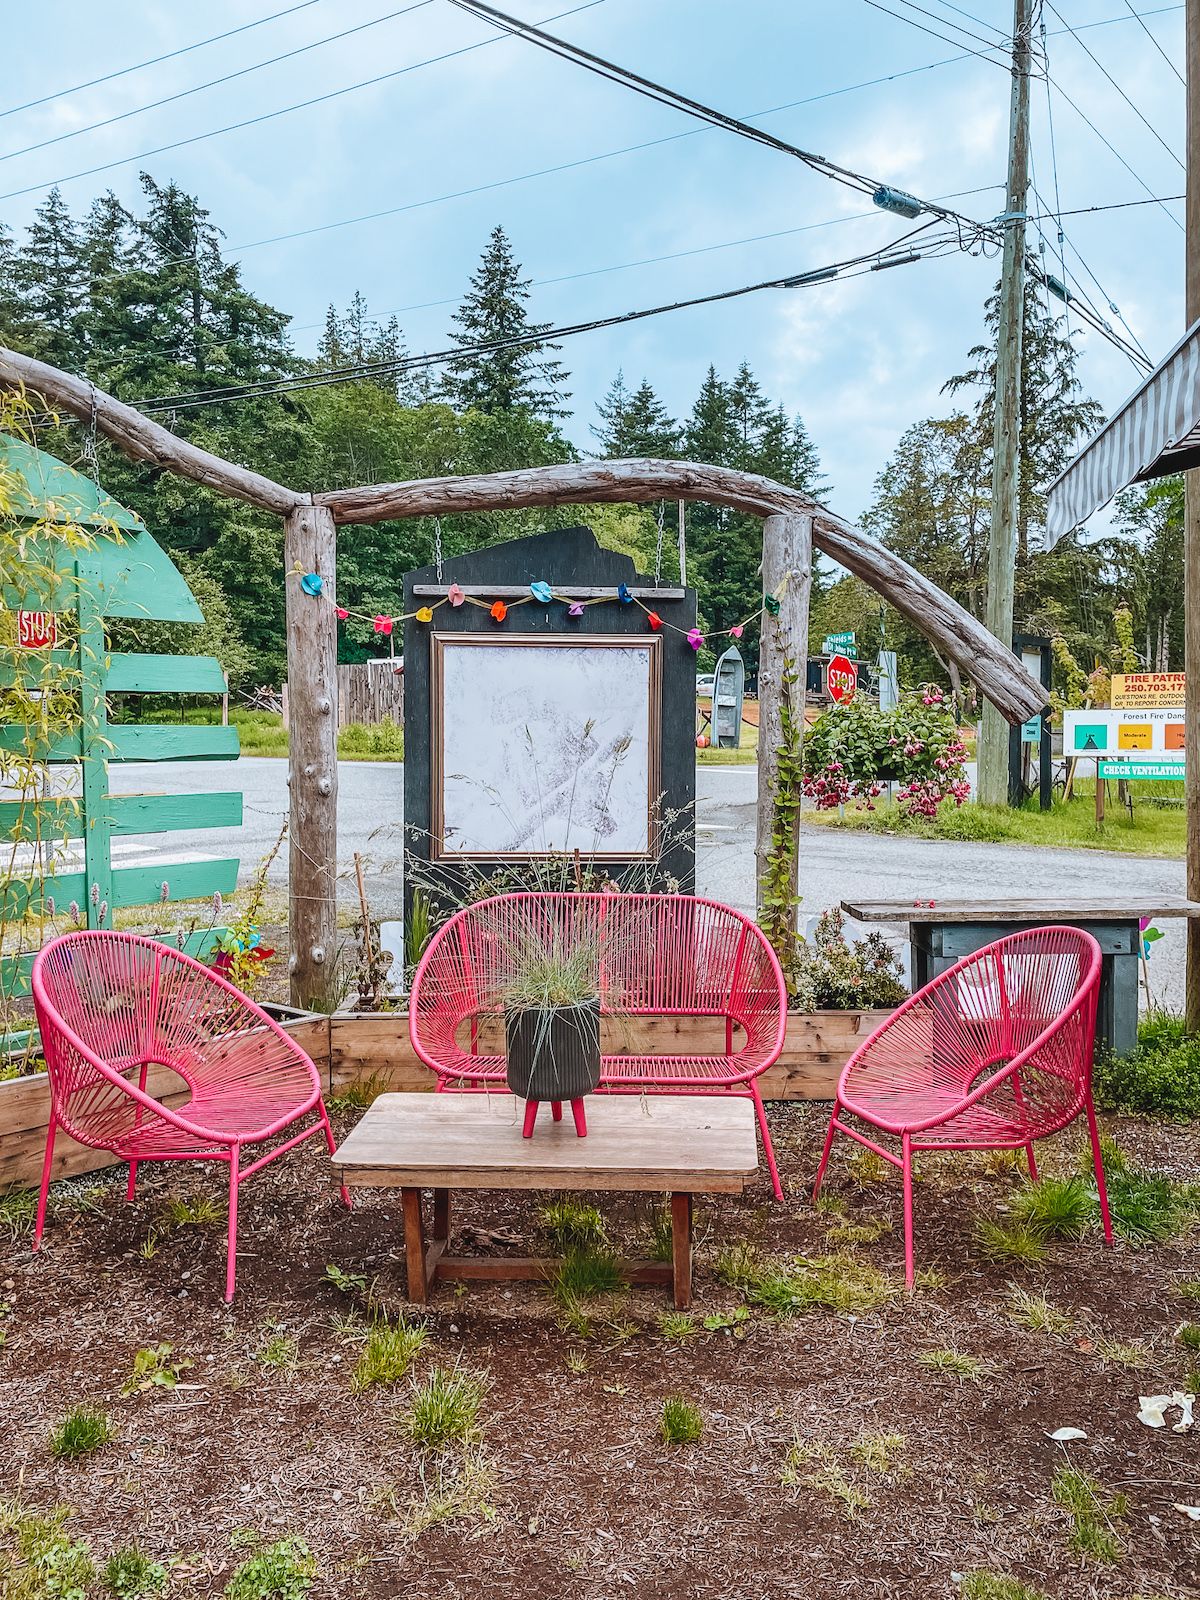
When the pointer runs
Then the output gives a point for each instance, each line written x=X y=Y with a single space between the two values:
x=650 y=89
x=901 y=16
x=268 y=116
x=122 y=72
x=1107 y=143
x=1102 y=68
x=1141 y=24
x=228 y=77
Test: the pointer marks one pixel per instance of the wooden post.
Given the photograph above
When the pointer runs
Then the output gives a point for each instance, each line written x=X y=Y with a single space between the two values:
x=310 y=545
x=1191 y=523
x=993 y=751
x=787 y=574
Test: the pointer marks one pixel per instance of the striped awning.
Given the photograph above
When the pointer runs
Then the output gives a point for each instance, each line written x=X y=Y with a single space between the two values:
x=1156 y=432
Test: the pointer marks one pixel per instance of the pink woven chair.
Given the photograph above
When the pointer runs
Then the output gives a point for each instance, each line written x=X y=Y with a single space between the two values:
x=991 y=1055
x=669 y=955
x=128 y=1024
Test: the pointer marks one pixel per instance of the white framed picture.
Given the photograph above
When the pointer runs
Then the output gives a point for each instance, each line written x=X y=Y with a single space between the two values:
x=545 y=744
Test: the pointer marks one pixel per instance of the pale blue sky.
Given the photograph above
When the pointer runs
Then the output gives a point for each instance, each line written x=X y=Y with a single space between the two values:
x=859 y=359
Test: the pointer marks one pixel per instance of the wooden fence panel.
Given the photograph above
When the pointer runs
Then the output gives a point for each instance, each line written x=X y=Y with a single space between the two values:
x=370 y=692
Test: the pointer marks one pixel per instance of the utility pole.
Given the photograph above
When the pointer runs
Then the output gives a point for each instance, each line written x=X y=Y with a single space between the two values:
x=1006 y=425
x=1191 y=525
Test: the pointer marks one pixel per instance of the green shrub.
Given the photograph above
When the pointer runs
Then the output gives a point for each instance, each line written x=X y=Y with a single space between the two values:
x=283 y=1571
x=81 y=1431
x=1161 y=1077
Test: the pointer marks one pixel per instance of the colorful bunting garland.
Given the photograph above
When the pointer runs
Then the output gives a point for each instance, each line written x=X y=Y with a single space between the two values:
x=313 y=584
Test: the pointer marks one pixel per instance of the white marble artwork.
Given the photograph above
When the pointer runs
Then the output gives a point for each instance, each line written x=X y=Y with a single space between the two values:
x=545 y=748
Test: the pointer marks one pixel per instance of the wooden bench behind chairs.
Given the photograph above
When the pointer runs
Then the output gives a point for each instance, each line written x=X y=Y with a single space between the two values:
x=657 y=955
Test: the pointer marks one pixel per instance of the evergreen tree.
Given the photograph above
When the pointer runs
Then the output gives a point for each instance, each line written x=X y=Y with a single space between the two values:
x=48 y=276
x=522 y=378
x=636 y=424
x=355 y=339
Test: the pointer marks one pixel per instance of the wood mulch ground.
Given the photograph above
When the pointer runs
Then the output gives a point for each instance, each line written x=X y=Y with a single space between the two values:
x=569 y=1490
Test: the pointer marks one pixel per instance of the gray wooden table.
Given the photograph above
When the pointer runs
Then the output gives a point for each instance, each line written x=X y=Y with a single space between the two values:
x=943 y=931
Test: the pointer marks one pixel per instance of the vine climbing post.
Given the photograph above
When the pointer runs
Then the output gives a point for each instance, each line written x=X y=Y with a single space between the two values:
x=782 y=673
x=310 y=546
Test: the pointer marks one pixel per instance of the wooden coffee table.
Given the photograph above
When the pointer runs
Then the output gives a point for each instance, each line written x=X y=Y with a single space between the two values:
x=681 y=1144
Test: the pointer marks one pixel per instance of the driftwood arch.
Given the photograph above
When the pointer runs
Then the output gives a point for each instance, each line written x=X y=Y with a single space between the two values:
x=793 y=525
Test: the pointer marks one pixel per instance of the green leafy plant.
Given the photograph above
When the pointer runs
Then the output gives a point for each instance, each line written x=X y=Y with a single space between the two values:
x=389 y=1351
x=831 y=973
x=1055 y=1208
x=131 y=1574
x=777 y=895
x=38 y=1558
x=241 y=956
x=680 y=1421
x=83 y=1430
x=1160 y=1078
x=278 y=1352
x=418 y=929
x=153 y=1368
x=345 y=1282
x=285 y=1570
x=853 y=748
x=444 y=1409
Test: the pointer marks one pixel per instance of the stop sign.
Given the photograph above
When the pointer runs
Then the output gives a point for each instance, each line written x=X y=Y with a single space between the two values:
x=841 y=678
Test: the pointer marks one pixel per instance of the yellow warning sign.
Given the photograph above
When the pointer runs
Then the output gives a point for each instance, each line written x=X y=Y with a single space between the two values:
x=1144 y=691
x=1135 y=736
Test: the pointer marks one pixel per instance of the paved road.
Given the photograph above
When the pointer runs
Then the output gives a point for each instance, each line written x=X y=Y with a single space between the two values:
x=833 y=865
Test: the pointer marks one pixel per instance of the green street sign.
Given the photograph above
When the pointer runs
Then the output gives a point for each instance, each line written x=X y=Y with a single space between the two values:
x=839 y=644
x=1171 y=771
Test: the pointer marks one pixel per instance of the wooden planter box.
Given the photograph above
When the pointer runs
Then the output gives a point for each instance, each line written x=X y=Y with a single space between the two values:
x=371 y=1050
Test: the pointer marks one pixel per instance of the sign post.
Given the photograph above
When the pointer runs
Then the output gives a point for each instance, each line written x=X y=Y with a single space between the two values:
x=841 y=679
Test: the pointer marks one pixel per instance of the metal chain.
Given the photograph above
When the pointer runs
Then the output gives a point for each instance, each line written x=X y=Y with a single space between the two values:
x=90 y=460
x=437 y=547
x=662 y=512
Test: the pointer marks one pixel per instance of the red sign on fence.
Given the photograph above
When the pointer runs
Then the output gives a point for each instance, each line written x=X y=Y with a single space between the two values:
x=36 y=630
x=841 y=678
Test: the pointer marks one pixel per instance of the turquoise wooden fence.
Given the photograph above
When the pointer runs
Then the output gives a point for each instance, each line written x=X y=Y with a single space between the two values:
x=59 y=847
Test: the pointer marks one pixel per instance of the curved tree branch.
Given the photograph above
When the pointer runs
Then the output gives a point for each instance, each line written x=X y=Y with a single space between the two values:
x=999 y=674
x=139 y=437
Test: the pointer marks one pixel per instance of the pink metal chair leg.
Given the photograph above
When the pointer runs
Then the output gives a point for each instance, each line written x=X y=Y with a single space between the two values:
x=1098 y=1163
x=45 y=1188
x=908 y=1212
x=820 y=1178
x=768 y=1150
x=1032 y=1160
x=231 y=1255
x=580 y=1119
x=133 y=1166
x=556 y=1110
x=332 y=1147
x=531 y=1110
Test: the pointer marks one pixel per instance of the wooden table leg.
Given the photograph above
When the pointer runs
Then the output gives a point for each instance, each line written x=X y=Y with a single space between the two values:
x=414 y=1246
x=681 y=1249
x=441 y=1215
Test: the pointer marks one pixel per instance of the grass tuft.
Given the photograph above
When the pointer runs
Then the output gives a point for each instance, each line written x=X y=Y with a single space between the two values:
x=584 y=1274
x=953 y=1363
x=1055 y=1208
x=880 y=1453
x=661 y=1240
x=678 y=1326
x=1091 y=1511
x=130 y=1574
x=18 y=1213
x=840 y=1282
x=813 y=1464
x=445 y=1408
x=454 y=1490
x=387 y=1354
x=281 y=1571
x=571 y=1225
x=1009 y=1243
x=843 y=1233
x=680 y=1422
x=996 y=1586
x=1035 y=1312
x=278 y=1352
x=81 y=1431
x=198 y=1212
x=1124 y=1353
x=1188 y=1334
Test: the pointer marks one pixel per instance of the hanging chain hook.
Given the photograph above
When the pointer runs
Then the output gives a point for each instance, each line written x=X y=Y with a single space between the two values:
x=90 y=459
x=658 y=548
x=437 y=547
